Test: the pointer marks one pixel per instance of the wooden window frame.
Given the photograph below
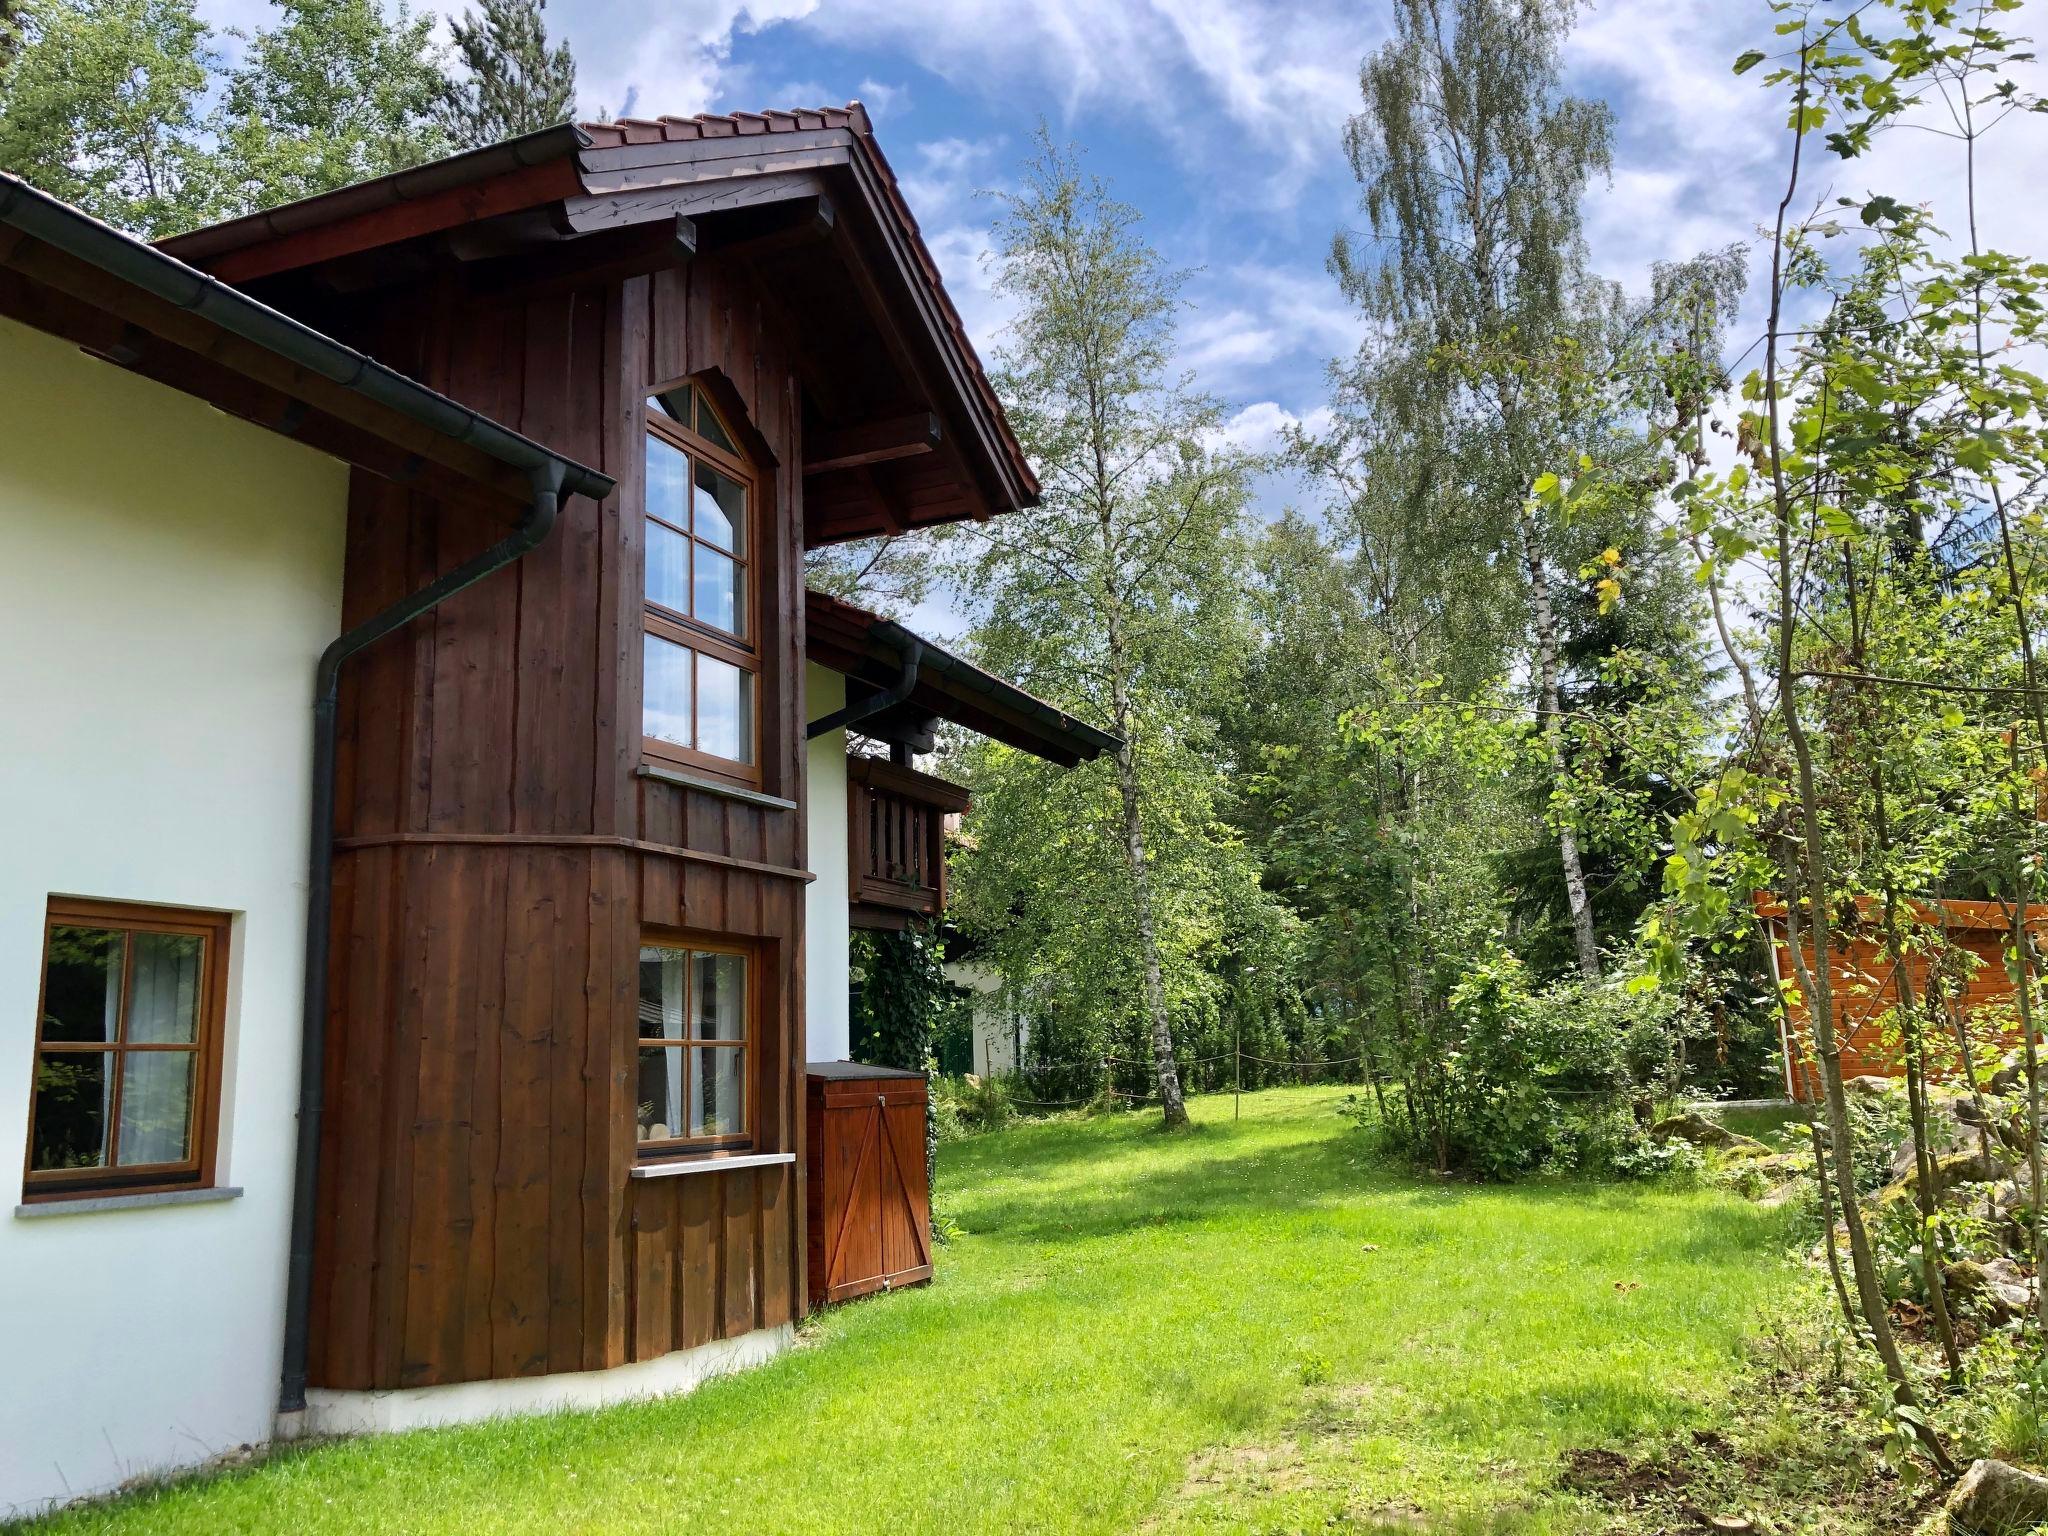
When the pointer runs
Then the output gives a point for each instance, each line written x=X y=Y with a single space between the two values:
x=210 y=1029
x=672 y=1148
x=742 y=651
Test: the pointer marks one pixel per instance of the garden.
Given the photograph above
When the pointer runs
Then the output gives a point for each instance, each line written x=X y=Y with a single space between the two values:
x=1267 y=1324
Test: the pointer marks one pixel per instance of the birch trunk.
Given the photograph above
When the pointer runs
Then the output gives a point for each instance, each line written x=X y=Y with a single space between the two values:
x=1545 y=619
x=1148 y=943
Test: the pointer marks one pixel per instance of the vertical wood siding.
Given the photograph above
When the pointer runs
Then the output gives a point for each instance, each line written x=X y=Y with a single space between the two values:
x=477 y=1218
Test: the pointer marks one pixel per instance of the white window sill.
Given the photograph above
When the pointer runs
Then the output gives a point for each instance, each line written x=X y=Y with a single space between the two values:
x=85 y=1205
x=682 y=1165
x=711 y=786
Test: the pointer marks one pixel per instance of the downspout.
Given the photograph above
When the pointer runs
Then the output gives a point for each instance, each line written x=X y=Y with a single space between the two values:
x=874 y=703
x=547 y=479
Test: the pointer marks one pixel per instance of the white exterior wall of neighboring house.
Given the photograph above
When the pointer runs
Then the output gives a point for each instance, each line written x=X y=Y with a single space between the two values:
x=828 y=931
x=168 y=576
x=998 y=1032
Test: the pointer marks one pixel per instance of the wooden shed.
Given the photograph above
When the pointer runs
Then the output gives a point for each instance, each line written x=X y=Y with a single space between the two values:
x=1864 y=983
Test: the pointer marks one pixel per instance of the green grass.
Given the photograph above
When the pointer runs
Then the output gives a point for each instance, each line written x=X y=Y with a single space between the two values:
x=1253 y=1327
x=1764 y=1124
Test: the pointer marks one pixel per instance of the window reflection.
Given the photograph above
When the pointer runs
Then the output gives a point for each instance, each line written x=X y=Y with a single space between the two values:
x=725 y=710
x=665 y=708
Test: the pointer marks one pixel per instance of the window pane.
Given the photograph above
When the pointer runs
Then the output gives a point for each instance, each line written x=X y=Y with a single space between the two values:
x=661 y=1093
x=163 y=991
x=721 y=510
x=82 y=984
x=156 y=1107
x=665 y=698
x=71 y=1110
x=709 y=426
x=668 y=567
x=725 y=710
x=721 y=997
x=718 y=1106
x=668 y=481
x=719 y=601
x=675 y=405
x=661 y=992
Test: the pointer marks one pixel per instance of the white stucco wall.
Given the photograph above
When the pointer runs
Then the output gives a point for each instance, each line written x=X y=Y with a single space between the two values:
x=996 y=1029
x=168 y=576
x=827 y=932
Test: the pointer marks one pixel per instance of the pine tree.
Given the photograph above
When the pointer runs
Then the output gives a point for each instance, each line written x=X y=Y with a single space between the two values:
x=515 y=82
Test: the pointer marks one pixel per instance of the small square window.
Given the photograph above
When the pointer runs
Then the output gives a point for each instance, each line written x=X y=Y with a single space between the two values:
x=694 y=1090
x=128 y=1049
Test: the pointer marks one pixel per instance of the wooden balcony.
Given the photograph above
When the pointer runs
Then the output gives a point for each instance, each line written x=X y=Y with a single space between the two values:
x=896 y=841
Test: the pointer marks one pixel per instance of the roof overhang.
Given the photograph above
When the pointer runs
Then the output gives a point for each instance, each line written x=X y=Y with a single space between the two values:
x=902 y=427
x=64 y=272
x=870 y=652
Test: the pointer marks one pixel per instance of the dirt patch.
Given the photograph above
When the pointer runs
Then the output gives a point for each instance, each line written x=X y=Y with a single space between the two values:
x=1614 y=1478
x=1252 y=1468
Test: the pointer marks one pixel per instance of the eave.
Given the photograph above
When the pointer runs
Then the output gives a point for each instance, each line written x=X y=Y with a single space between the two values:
x=869 y=651
x=64 y=272
x=806 y=199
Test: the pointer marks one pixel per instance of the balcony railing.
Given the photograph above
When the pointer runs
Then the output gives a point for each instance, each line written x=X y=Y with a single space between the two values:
x=896 y=841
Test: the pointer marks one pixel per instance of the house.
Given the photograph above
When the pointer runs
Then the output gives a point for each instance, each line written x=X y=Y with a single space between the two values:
x=1974 y=984
x=439 y=1051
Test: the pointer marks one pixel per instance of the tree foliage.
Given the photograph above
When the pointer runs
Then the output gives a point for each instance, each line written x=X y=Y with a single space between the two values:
x=514 y=82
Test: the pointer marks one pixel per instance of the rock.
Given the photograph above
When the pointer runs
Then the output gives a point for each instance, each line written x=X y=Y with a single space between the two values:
x=1702 y=1132
x=2008 y=1077
x=1783 y=1194
x=1970 y=1168
x=1783 y=1165
x=1994 y=1499
x=1998 y=1285
x=1868 y=1086
x=1957 y=1168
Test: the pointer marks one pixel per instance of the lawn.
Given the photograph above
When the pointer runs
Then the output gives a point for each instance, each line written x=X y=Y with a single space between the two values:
x=1256 y=1326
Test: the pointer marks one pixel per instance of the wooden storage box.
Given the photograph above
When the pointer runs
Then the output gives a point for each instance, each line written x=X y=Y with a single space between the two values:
x=867 y=1195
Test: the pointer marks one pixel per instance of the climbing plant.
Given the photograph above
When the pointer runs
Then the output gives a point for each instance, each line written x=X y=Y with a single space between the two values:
x=901 y=997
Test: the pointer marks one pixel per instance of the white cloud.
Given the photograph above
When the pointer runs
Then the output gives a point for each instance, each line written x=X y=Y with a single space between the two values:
x=1266 y=82
x=1262 y=427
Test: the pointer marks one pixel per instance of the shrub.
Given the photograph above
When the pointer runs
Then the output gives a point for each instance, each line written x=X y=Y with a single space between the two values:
x=967 y=1105
x=1557 y=1078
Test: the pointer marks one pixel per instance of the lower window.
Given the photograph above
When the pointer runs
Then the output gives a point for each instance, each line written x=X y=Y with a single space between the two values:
x=128 y=1047
x=696 y=1025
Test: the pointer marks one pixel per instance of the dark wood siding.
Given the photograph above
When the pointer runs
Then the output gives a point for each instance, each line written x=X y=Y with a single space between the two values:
x=499 y=858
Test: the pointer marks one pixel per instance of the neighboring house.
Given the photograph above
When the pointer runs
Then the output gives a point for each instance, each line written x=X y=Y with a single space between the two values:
x=590 y=846
x=1864 y=988
x=998 y=1030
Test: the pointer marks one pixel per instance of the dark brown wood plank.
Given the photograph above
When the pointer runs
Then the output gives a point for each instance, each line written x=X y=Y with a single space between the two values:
x=612 y=988
x=537 y=936
x=698 y=1285
x=655 y=1254
x=564 y=1122
x=776 y=1233
x=738 y=1282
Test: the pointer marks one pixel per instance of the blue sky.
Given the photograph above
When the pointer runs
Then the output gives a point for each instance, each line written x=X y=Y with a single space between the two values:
x=1222 y=121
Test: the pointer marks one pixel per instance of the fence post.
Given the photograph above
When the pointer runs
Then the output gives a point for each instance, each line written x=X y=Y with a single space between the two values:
x=1237 y=1067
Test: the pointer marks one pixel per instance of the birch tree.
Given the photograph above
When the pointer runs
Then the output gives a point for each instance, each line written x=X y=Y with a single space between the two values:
x=1107 y=597
x=1472 y=161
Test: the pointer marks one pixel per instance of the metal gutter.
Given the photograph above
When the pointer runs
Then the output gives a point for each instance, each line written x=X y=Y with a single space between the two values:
x=874 y=703
x=298 y=1308
x=1095 y=742
x=164 y=277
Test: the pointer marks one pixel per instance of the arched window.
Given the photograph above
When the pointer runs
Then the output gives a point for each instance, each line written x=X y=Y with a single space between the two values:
x=700 y=681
